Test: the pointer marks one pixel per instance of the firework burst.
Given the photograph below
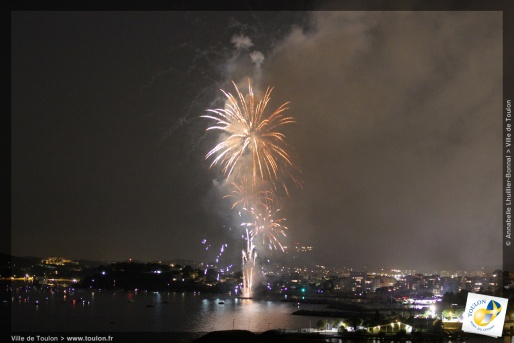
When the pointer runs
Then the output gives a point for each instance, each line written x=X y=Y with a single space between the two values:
x=246 y=193
x=264 y=224
x=254 y=135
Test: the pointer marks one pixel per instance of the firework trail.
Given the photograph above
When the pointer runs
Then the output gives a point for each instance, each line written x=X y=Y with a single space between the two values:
x=249 y=256
x=253 y=155
x=221 y=268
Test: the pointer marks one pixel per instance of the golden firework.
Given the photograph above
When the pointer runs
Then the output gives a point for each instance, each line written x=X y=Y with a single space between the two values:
x=265 y=224
x=246 y=193
x=252 y=144
x=253 y=155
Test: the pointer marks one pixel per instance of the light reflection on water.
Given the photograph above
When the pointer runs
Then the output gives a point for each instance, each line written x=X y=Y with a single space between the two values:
x=246 y=314
x=152 y=311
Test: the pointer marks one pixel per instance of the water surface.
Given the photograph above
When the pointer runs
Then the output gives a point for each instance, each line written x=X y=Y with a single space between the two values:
x=83 y=311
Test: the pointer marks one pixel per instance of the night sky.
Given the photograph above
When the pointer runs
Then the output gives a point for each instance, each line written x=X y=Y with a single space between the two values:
x=398 y=133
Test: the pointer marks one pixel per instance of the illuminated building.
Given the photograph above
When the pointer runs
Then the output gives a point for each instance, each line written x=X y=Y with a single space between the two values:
x=58 y=261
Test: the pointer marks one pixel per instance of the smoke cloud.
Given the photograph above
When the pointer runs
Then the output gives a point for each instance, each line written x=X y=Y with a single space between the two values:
x=399 y=134
x=257 y=58
x=241 y=42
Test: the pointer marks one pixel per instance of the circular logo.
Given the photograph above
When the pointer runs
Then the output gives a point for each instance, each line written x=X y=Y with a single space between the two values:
x=507 y=243
x=484 y=316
